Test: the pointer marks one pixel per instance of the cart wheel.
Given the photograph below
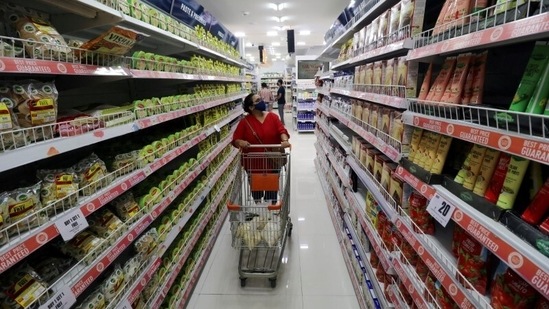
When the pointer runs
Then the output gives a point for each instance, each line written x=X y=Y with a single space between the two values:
x=273 y=282
x=242 y=282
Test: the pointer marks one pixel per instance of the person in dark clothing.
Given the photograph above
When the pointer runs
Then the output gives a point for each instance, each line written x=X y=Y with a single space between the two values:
x=281 y=99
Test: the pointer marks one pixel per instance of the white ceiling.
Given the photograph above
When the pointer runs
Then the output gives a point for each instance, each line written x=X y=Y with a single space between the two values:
x=301 y=15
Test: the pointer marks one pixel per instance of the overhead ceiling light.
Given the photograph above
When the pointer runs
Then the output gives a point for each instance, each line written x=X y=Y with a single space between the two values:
x=272 y=33
x=300 y=43
x=249 y=44
x=304 y=32
x=239 y=34
x=280 y=19
x=277 y=54
x=276 y=43
x=277 y=6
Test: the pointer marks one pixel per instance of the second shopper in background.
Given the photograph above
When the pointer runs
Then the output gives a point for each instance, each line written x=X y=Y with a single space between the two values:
x=281 y=98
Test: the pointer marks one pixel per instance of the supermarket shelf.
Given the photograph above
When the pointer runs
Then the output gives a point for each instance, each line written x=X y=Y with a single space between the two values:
x=305 y=131
x=385 y=148
x=387 y=100
x=526 y=261
x=426 y=190
x=306 y=120
x=157 y=300
x=325 y=110
x=324 y=91
x=339 y=139
x=164 y=117
x=309 y=109
x=345 y=179
x=182 y=76
x=410 y=285
x=338 y=191
x=523 y=145
x=195 y=275
x=18 y=249
x=464 y=298
x=390 y=50
x=510 y=33
x=141 y=282
x=395 y=298
x=354 y=280
x=87 y=276
x=49 y=148
x=324 y=127
x=375 y=8
x=47 y=67
x=373 y=186
x=374 y=289
x=379 y=248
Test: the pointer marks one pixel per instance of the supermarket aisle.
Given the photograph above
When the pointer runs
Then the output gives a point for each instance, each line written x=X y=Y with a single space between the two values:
x=313 y=273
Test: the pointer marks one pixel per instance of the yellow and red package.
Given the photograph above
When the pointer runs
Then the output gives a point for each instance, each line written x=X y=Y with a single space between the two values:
x=509 y=290
x=419 y=214
x=474 y=261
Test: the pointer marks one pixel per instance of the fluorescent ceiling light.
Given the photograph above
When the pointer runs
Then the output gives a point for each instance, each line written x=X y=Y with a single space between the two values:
x=304 y=32
x=280 y=19
x=276 y=43
x=277 y=6
x=304 y=246
x=277 y=54
x=272 y=33
x=249 y=44
x=239 y=34
x=300 y=43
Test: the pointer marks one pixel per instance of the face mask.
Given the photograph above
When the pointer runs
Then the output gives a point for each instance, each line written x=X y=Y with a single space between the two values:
x=261 y=106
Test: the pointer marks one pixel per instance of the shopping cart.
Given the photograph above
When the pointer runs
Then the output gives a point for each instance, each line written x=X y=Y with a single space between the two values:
x=259 y=209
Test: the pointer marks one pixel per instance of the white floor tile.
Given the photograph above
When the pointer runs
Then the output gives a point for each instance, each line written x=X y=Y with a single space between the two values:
x=313 y=273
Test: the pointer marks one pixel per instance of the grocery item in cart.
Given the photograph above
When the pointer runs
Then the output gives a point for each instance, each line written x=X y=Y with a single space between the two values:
x=59 y=189
x=92 y=175
x=24 y=203
x=42 y=39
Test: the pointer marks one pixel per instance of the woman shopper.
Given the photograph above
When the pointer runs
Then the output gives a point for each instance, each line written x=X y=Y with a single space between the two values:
x=267 y=96
x=260 y=127
x=281 y=99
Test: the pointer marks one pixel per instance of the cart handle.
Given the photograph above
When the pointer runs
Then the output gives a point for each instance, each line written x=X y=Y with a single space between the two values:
x=233 y=207
x=268 y=146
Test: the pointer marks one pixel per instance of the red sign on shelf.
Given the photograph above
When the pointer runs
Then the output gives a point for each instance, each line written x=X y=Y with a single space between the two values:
x=141 y=284
x=37 y=66
x=521 y=264
x=423 y=188
x=522 y=146
x=524 y=28
x=410 y=287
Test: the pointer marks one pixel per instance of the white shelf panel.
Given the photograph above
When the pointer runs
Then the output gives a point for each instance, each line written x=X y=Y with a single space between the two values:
x=384 y=52
x=387 y=100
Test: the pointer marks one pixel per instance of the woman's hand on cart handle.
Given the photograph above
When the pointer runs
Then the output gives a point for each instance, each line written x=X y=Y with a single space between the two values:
x=242 y=143
x=286 y=144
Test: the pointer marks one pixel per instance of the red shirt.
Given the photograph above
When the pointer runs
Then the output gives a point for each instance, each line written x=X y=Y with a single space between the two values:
x=269 y=132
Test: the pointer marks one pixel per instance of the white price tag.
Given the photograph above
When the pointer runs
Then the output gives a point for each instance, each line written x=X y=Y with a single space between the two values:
x=71 y=224
x=63 y=299
x=217 y=129
x=441 y=210
x=125 y=304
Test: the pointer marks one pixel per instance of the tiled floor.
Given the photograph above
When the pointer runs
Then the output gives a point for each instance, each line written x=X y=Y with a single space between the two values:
x=313 y=274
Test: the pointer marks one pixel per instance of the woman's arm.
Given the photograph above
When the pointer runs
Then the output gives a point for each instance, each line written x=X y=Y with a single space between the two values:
x=238 y=136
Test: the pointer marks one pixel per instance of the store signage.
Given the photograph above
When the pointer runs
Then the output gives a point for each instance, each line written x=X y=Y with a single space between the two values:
x=441 y=210
x=63 y=299
x=71 y=224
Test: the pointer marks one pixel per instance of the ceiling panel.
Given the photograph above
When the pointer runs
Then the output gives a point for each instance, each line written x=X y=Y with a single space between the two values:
x=255 y=18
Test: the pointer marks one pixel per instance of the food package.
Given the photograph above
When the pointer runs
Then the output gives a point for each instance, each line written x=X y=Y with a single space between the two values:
x=51 y=268
x=126 y=163
x=24 y=203
x=4 y=217
x=131 y=268
x=509 y=290
x=96 y=300
x=113 y=284
x=406 y=14
x=443 y=299
x=473 y=262
x=104 y=223
x=146 y=244
x=92 y=175
x=60 y=188
x=82 y=244
x=116 y=41
x=125 y=206
x=419 y=214
x=77 y=123
x=44 y=42
x=23 y=287
x=422 y=270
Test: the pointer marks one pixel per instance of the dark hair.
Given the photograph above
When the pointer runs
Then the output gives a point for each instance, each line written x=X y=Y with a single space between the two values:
x=280 y=82
x=248 y=101
x=263 y=85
